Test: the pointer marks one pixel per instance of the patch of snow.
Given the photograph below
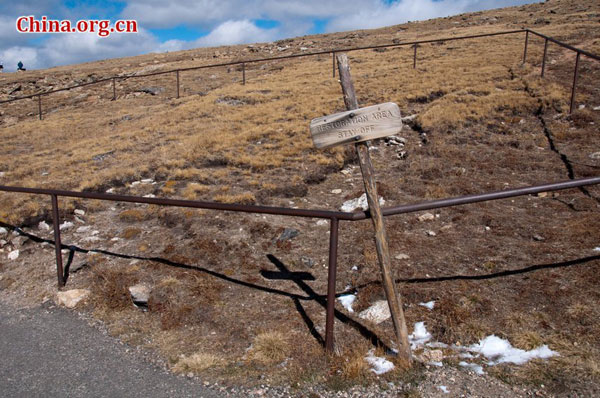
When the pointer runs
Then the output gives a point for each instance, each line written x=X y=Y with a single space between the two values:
x=322 y=222
x=83 y=229
x=149 y=196
x=501 y=351
x=115 y=239
x=3 y=231
x=79 y=212
x=474 y=367
x=347 y=300
x=429 y=305
x=379 y=365
x=358 y=203
x=13 y=255
x=444 y=389
x=436 y=363
x=402 y=256
x=147 y=181
x=110 y=190
x=66 y=225
x=420 y=335
x=91 y=239
x=336 y=191
x=377 y=313
x=597 y=249
x=43 y=226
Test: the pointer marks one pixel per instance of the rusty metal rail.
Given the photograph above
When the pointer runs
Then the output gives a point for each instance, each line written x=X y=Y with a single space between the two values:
x=333 y=216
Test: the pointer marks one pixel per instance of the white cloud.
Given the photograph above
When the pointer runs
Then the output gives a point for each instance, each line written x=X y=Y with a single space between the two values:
x=236 y=32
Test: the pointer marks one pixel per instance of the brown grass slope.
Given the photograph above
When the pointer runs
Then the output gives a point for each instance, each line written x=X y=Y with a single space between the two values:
x=484 y=122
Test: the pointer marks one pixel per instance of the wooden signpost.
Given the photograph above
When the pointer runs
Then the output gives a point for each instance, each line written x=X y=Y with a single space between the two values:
x=360 y=125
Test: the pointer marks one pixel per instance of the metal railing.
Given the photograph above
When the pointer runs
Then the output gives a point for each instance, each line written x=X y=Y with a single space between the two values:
x=333 y=216
x=414 y=44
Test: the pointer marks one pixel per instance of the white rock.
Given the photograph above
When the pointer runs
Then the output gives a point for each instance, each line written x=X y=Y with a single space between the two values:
x=582 y=106
x=428 y=305
x=2 y=174
x=377 y=313
x=70 y=298
x=133 y=184
x=110 y=190
x=83 y=229
x=426 y=217
x=147 y=181
x=596 y=108
x=401 y=256
x=13 y=255
x=322 y=222
x=149 y=196
x=358 y=203
x=336 y=191
x=595 y=155
x=430 y=233
x=79 y=212
x=139 y=293
x=66 y=225
x=43 y=226
x=91 y=239
x=3 y=231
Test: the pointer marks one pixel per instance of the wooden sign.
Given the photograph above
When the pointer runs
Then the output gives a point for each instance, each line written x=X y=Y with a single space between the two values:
x=358 y=125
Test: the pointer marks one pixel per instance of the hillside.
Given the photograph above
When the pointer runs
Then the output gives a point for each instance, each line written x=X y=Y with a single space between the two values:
x=524 y=269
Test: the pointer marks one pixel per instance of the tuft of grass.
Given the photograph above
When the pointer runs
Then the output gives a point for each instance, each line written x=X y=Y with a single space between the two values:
x=246 y=198
x=131 y=232
x=193 y=189
x=270 y=347
x=196 y=363
x=132 y=215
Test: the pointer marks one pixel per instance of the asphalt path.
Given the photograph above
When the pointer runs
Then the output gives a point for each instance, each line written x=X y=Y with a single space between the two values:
x=53 y=352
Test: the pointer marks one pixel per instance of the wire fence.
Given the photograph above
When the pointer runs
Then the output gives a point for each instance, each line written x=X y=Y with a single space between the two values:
x=242 y=64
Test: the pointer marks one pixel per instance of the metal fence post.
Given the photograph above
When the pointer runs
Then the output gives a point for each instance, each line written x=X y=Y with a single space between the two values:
x=331 y=276
x=114 y=89
x=525 y=50
x=575 y=75
x=544 y=57
x=333 y=62
x=243 y=73
x=40 y=106
x=57 y=244
x=177 y=74
x=415 y=57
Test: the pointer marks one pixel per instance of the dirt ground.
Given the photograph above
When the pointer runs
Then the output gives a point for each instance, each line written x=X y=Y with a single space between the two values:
x=524 y=269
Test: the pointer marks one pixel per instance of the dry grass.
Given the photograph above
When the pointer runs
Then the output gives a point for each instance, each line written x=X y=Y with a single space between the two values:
x=270 y=347
x=196 y=363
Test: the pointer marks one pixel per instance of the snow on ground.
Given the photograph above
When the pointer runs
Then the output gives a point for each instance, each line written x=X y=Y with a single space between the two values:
x=444 y=389
x=358 y=203
x=501 y=351
x=347 y=300
x=420 y=336
x=473 y=366
x=428 y=305
x=597 y=248
x=378 y=365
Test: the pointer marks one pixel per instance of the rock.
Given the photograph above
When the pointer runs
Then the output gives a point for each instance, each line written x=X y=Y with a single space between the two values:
x=426 y=217
x=83 y=229
x=3 y=231
x=358 y=203
x=70 y=298
x=20 y=240
x=79 y=212
x=13 y=255
x=139 y=294
x=322 y=222
x=66 y=225
x=43 y=226
x=307 y=261
x=377 y=313
x=336 y=191
x=433 y=355
x=430 y=233
x=2 y=174
x=3 y=243
x=401 y=256
x=152 y=90
x=287 y=234
x=582 y=106
x=401 y=155
x=596 y=108
x=595 y=155
x=538 y=238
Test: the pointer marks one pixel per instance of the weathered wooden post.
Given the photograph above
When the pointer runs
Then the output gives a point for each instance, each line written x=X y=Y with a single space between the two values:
x=544 y=57
x=525 y=50
x=358 y=126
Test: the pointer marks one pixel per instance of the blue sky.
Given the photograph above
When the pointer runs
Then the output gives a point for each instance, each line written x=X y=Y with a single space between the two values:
x=171 y=25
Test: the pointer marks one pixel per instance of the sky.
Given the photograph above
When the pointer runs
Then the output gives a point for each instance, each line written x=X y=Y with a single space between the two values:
x=172 y=25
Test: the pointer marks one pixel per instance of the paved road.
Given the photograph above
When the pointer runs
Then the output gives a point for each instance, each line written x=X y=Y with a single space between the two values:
x=52 y=352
